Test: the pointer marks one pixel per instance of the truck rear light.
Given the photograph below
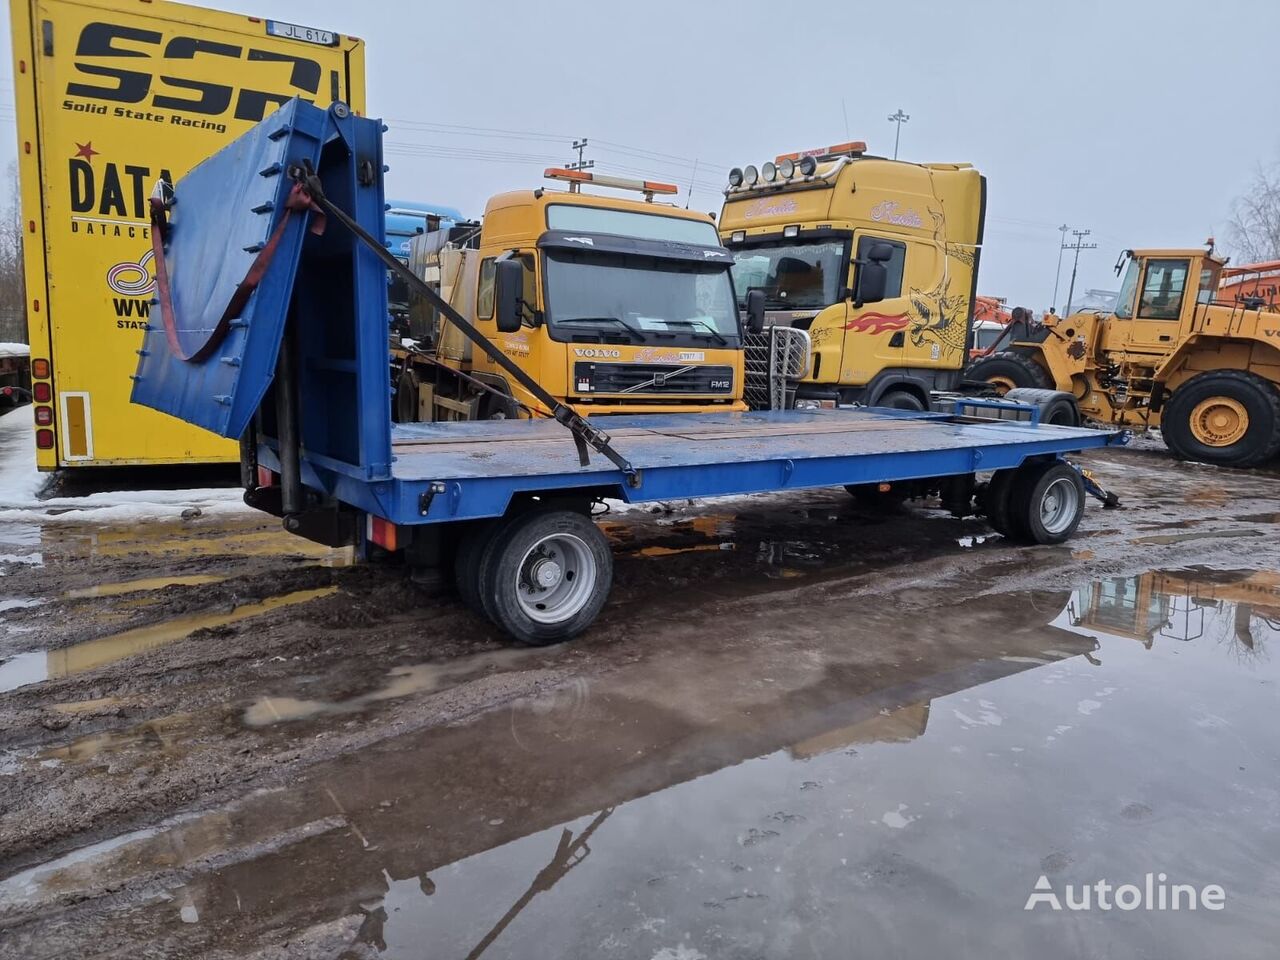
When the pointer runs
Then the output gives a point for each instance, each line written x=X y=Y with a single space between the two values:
x=382 y=532
x=44 y=416
x=42 y=392
x=265 y=477
x=40 y=368
x=44 y=439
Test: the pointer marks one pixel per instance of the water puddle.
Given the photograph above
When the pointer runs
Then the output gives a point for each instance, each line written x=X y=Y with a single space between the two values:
x=35 y=667
x=146 y=583
x=401 y=682
x=718 y=797
x=1196 y=535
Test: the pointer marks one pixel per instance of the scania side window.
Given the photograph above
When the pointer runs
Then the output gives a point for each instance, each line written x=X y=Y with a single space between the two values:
x=895 y=265
x=1162 y=289
x=484 y=291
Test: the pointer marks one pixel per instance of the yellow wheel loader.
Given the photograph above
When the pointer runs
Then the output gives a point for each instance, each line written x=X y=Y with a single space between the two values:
x=1171 y=356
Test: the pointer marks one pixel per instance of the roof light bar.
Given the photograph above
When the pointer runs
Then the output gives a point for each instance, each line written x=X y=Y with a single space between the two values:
x=852 y=148
x=578 y=177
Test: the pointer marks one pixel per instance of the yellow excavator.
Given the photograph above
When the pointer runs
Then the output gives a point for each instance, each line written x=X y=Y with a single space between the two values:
x=1171 y=355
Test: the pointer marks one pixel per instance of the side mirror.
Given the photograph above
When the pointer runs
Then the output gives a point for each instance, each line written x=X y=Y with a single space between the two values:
x=755 y=311
x=508 y=285
x=873 y=275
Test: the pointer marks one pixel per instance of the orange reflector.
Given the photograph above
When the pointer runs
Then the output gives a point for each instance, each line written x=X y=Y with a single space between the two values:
x=265 y=477
x=40 y=368
x=826 y=404
x=42 y=392
x=884 y=487
x=653 y=186
x=44 y=439
x=382 y=532
x=44 y=416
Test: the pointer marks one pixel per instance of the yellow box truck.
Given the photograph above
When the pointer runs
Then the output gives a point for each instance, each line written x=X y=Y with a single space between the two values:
x=112 y=95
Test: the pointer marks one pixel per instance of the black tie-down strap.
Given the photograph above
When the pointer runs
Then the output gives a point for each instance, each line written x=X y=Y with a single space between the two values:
x=585 y=435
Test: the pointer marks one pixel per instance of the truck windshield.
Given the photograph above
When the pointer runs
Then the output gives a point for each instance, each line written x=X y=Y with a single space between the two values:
x=643 y=298
x=793 y=274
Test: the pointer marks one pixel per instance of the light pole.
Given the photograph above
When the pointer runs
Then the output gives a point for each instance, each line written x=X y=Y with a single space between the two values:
x=1057 y=277
x=899 y=118
x=1077 y=247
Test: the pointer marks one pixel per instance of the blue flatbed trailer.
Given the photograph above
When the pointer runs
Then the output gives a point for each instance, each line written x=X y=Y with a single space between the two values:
x=273 y=329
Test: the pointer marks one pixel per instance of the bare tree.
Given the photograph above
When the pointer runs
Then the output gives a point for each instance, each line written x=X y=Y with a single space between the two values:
x=13 y=298
x=1253 y=232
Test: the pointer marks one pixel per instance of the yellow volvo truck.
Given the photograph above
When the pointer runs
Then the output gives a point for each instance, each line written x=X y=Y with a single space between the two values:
x=620 y=305
x=1205 y=372
x=804 y=229
x=113 y=95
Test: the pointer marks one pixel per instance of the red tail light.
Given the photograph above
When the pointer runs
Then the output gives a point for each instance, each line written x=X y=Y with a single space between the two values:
x=44 y=439
x=42 y=392
x=44 y=416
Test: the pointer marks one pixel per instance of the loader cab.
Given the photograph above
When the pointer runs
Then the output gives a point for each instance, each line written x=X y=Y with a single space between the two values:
x=1159 y=297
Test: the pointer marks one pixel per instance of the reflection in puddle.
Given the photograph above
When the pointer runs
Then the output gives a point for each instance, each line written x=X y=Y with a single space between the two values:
x=28 y=668
x=705 y=796
x=184 y=541
x=163 y=736
x=401 y=682
x=146 y=583
x=1196 y=535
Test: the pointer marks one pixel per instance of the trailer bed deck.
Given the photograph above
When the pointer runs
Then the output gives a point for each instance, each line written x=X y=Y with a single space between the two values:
x=482 y=465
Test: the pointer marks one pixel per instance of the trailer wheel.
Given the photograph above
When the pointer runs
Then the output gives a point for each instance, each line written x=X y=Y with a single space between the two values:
x=466 y=563
x=1226 y=417
x=997 y=504
x=1007 y=370
x=1047 y=502
x=546 y=575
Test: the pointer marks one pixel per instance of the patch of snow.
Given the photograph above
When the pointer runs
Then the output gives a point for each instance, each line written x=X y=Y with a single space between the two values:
x=898 y=819
x=14 y=350
x=1086 y=707
x=20 y=483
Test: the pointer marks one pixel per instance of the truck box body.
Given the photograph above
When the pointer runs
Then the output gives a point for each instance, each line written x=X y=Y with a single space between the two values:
x=112 y=95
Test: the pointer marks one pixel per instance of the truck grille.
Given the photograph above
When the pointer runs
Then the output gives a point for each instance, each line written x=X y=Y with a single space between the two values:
x=617 y=377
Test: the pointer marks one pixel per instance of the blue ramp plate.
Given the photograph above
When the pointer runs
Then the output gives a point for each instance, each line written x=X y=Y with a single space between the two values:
x=226 y=210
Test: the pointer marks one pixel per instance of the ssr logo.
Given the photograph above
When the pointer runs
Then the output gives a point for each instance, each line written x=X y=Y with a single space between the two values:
x=129 y=65
x=134 y=281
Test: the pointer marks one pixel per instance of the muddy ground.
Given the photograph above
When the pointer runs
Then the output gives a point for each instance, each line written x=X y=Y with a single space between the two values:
x=799 y=729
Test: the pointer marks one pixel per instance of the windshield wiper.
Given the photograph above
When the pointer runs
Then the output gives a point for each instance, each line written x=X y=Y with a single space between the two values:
x=720 y=337
x=635 y=332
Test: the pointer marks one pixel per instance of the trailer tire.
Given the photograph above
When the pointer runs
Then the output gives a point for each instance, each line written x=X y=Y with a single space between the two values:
x=1230 y=418
x=467 y=562
x=1007 y=371
x=545 y=575
x=1047 y=502
x=997 y=504
x=1057 y=407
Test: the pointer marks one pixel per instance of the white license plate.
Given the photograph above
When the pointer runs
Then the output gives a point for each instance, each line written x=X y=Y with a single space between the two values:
x=291 y=31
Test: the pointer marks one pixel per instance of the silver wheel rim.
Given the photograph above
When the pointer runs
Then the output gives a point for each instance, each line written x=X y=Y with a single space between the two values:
x=1059 y=504
x=555 y=578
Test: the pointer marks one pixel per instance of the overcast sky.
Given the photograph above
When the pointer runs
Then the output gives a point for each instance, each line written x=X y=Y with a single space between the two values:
x=1139 y=121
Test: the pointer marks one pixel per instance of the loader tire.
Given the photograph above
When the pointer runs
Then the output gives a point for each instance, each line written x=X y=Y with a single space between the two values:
x=1007 y=370
x=1230 y=418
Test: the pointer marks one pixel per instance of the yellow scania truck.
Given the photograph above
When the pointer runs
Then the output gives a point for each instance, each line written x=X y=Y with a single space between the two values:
x=803 y=230
x=111 y=96
x=624 y=306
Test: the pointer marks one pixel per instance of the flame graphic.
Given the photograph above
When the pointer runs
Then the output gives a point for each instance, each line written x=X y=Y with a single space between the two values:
x=877 y=322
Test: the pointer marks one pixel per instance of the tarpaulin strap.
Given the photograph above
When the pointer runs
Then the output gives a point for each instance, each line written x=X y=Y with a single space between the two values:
x=298 y=201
